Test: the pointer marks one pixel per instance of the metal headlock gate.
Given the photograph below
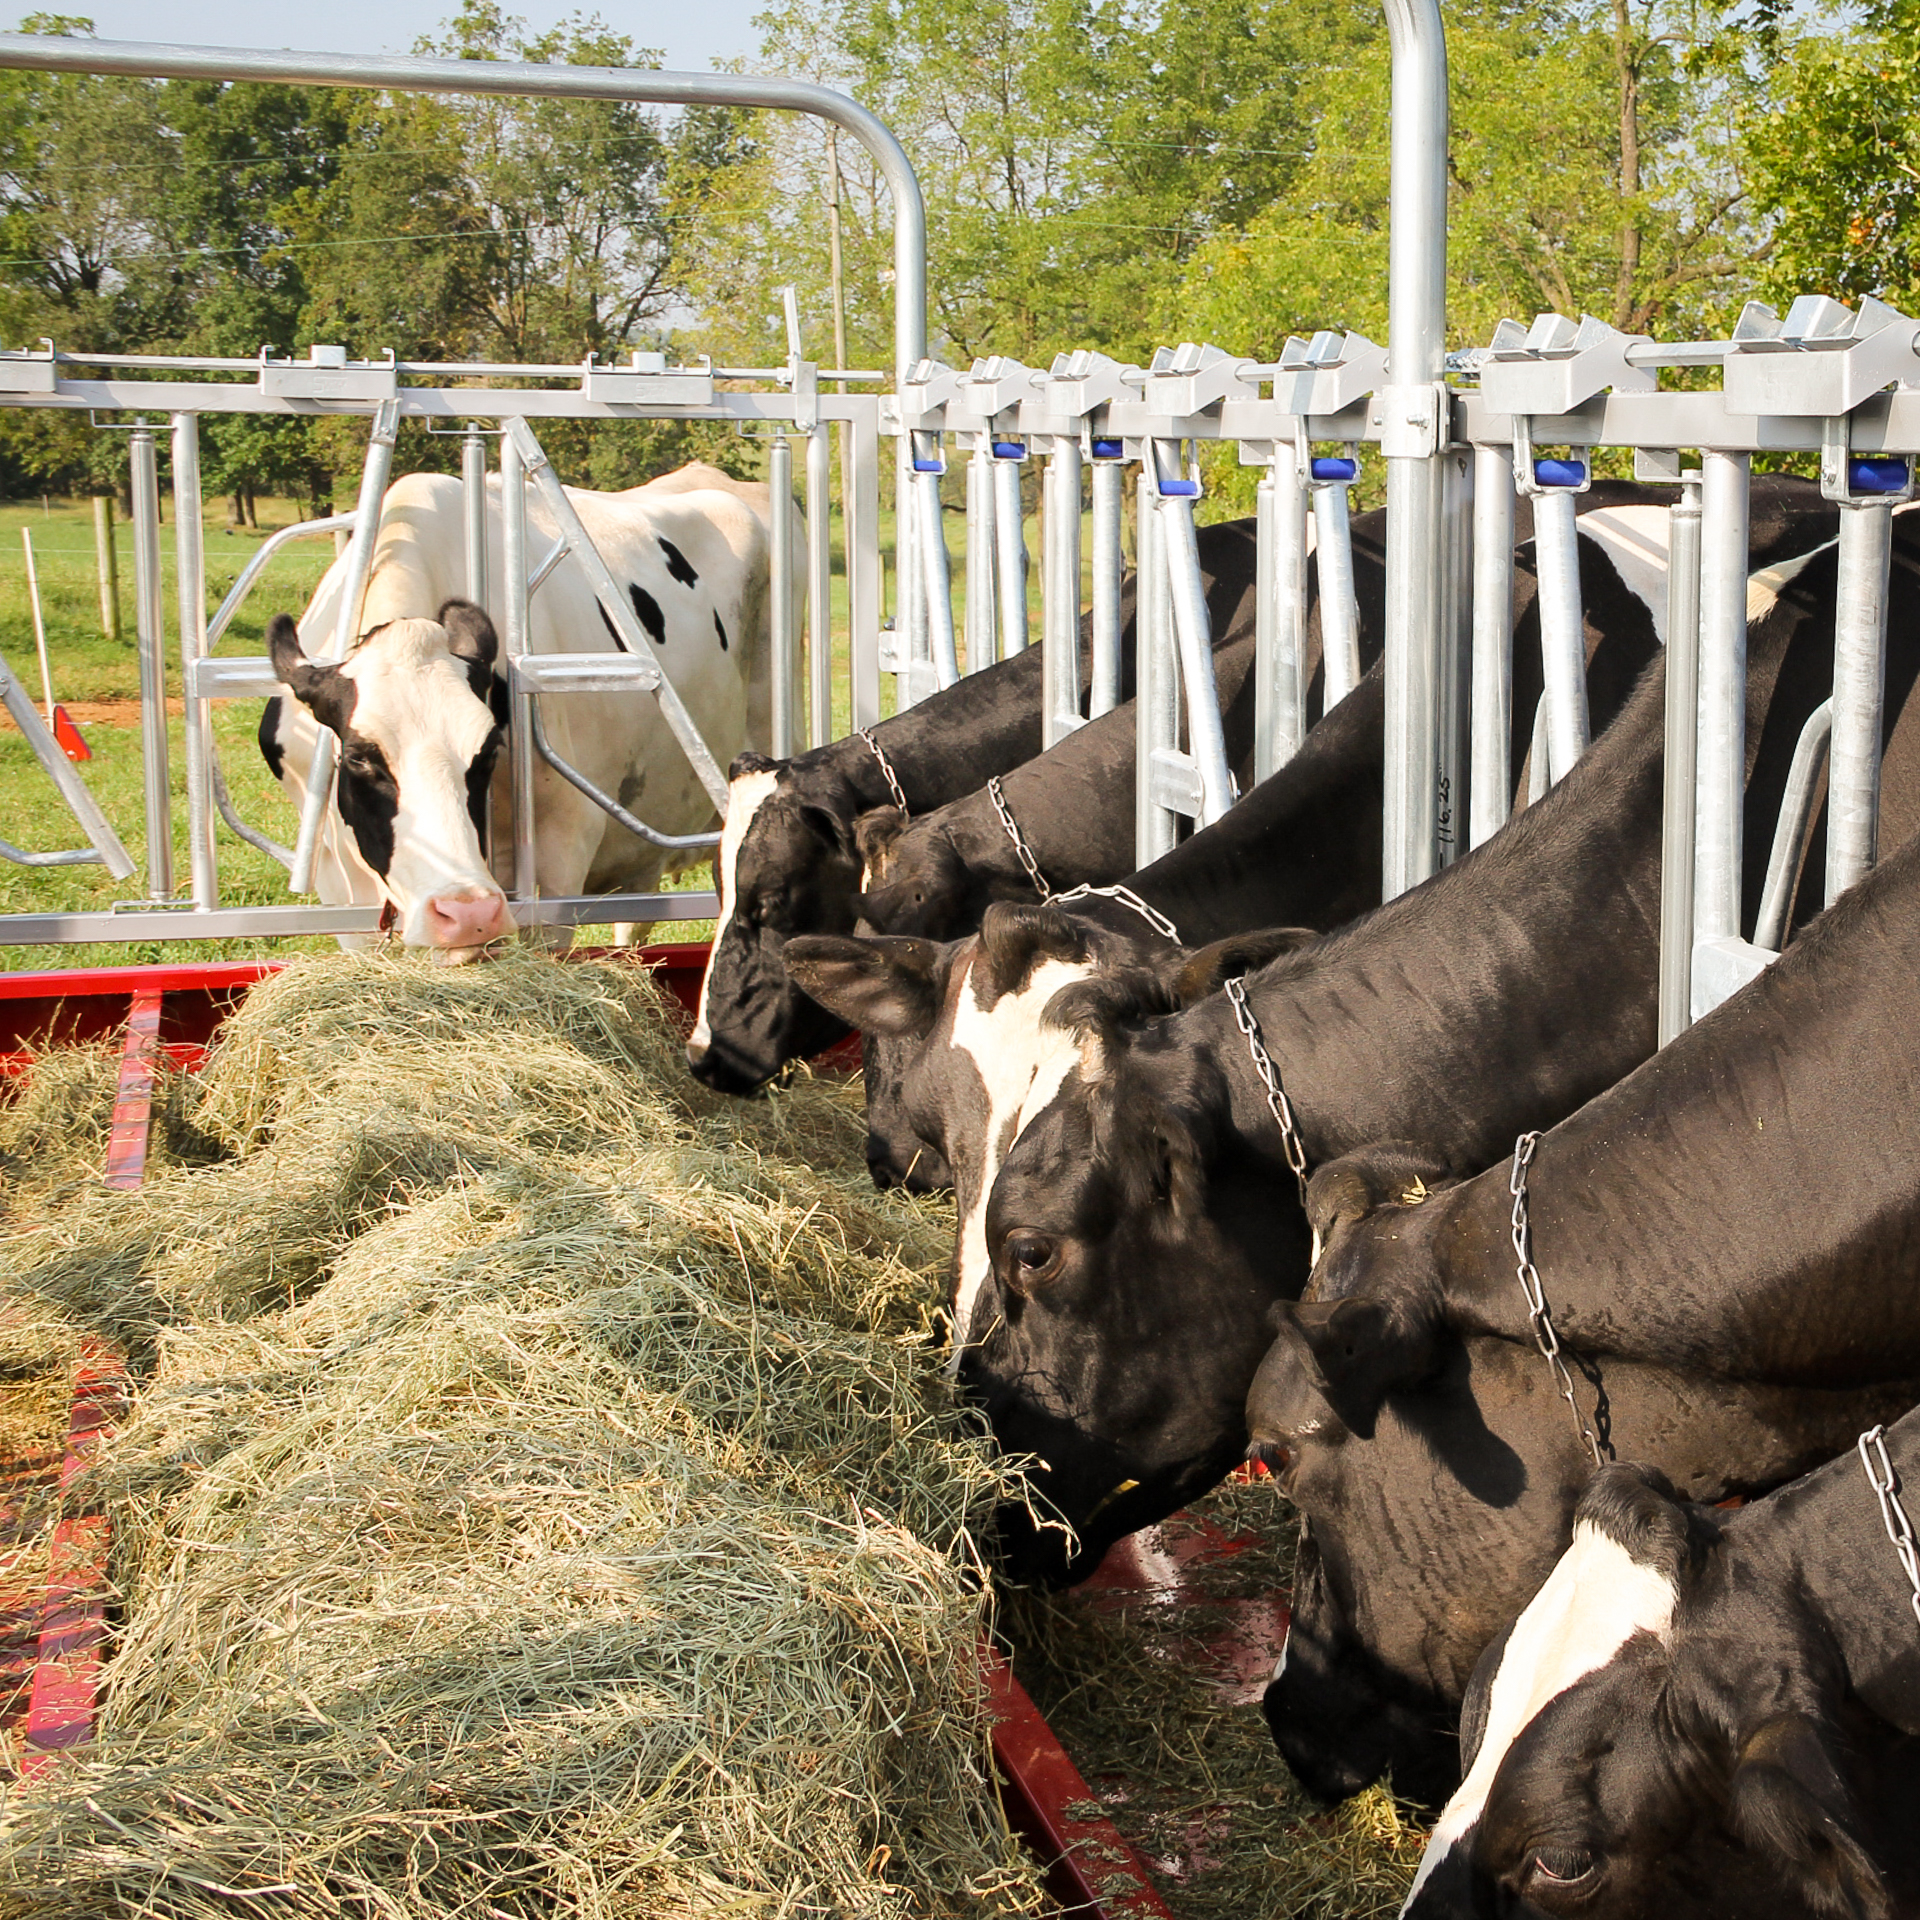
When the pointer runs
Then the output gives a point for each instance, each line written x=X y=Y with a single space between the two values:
x=1461 y=436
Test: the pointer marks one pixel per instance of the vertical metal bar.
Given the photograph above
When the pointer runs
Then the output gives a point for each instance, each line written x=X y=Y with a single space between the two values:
x=1010 y=549
x=1416 y=342
x=107 y=562
x=1563 y=637
x=473 y=504
x=1859 y=693
x=931 y=533
x=784 y=642
x=1156 y=682
x=1206 y=735
x=1339 y=602
x=1052 y=696
x=359 y=566
x=1109 y=500
x=149 y=625
x=190 y=584
x=1538 y=780
x=1682 y=740
x=1492 y=723
x=1065 y=463
x=1723 y=694
x=1453 y=718
x=820 y=586
x=1280 y=614
x=866 y=590
x=516 y=625
x=909 y=584
x=982 y=625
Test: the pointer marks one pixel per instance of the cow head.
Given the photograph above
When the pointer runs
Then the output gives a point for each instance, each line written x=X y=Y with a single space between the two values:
x=419 y=716
x=784 y=864
x=1138 y=1231
x=1655 y=1736
x=914 y=880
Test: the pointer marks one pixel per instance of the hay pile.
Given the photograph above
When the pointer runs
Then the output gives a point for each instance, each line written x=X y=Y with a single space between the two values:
x=540 y=1495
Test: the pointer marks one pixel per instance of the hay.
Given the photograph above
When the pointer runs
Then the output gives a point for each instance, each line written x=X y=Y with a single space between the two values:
x=1196 y=1786
x=540 y=1495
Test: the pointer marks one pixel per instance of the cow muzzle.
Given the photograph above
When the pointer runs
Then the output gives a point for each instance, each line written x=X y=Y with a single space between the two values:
x=465 y=920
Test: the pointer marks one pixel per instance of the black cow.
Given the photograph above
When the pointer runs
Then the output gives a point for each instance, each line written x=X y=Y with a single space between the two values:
x=1700 y=1714
x=787 y=862
x=1144 y=1223
x=1665 y=1225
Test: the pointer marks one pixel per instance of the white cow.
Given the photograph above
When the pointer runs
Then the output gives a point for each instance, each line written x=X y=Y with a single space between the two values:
x=419 y=704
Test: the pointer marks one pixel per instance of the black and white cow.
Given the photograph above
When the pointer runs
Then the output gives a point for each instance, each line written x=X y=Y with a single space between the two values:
x=1741 y=1212
x=1145 y=1221
x=418 y=706
x=1699 y=1714
x=788 y=863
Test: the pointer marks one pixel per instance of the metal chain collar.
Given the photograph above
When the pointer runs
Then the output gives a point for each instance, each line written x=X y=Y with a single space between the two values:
x=1540 y=1319
x=1126 y=897
x=886 y=767
x=1893 y=1516
x=1277 y=1102
x=1014 y=834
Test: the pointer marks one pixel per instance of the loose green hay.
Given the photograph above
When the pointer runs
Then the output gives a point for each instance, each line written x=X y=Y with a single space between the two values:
x=540 y=1495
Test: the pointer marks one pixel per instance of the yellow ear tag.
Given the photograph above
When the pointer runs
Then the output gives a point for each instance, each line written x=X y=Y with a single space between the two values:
x=1415 y=1193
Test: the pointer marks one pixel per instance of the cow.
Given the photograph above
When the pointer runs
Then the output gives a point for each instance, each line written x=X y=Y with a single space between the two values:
x=787 y=862
x=1147 y=1218
x=1302 y=849
x=1700 y=1713
x=418 y=706
x=1660 y=1234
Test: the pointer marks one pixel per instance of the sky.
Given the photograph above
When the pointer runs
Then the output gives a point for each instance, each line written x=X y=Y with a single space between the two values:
x=691 y=39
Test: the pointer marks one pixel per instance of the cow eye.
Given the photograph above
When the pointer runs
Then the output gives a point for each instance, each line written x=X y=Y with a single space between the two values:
x=1561 y=1866
x=1031 y=1259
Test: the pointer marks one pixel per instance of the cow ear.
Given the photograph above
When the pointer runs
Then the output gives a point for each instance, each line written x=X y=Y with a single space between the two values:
x=1096 y=1009
x=1207 y=970
x=824 y=826
x=1359 y=1349
x=289 y=662
x=879 y=983
x=1788 y=1801
x=874 y=834
x=1016 y=936
x=470 y=634
x=1386 y=1173
x=746 y=763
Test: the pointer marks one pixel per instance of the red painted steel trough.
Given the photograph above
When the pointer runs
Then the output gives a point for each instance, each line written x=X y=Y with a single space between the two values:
x=52 y=1644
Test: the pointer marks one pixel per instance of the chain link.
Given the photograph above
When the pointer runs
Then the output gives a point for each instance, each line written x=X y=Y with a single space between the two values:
x=1538 y=1316
x=886 y=767
x=1277 y=1102
x=1893 y=1516
x=1126 y=897
x=1014 y=834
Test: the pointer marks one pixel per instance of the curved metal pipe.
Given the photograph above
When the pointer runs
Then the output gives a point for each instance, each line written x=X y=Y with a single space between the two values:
x=1790 y=835
x=673 y=842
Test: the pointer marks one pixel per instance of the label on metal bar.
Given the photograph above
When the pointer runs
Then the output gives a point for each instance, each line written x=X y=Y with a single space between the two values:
x=29 y=373
x=1173 y=782
x=298 y=380
x=623 y=387
x=583 y=673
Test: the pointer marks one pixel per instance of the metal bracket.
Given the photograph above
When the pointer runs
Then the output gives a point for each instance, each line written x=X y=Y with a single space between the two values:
x=327 y=374
x=647 y=381
x=1569 y=476
x=1192 y=378
x=1329 y=373
x=1410 y=419
x=1556 y=365
x=24 y=371
x=1821 y=359
x=1882 y=482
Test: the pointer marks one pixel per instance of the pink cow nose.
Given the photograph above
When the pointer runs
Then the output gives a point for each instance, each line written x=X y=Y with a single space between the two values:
x=467 y=919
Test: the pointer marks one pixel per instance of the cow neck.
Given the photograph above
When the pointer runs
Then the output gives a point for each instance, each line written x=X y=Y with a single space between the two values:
x=1517 y=983
x=1799 y=1086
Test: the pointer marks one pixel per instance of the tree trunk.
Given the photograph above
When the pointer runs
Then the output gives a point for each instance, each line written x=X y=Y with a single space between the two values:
x=1626 y=68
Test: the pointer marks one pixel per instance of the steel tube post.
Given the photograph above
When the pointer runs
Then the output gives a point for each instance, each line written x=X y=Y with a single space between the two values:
x=1206 y=736
x=1492 y=722
x=930 y=530
x=1453 y=717
x=784 y=642
x=819 y=586
x=520 y=741
x=982 y=627
x=150 y=628
x=1060 y=591
x=1280 y=614
x=1723 y=694
x=1682 y=740
x=1413 y=427
x=1109 y=501
x=1563 y=638
x=865 y=590
x=1859 y=693
x=190 y=583
x=1339 y=602
x=1010 y=557
x=473 y=505
x=1157 y=714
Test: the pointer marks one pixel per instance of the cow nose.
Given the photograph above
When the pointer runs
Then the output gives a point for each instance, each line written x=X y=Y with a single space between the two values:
x=696 y=1054
x=467 y=919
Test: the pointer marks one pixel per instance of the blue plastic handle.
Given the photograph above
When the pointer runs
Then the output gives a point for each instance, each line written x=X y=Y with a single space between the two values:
x=1335 y=469
x=1009 y=449
x=1109 y=449
x=1877 y=476
x=1180 y=489
x=929 y=466
x=1560 y=473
